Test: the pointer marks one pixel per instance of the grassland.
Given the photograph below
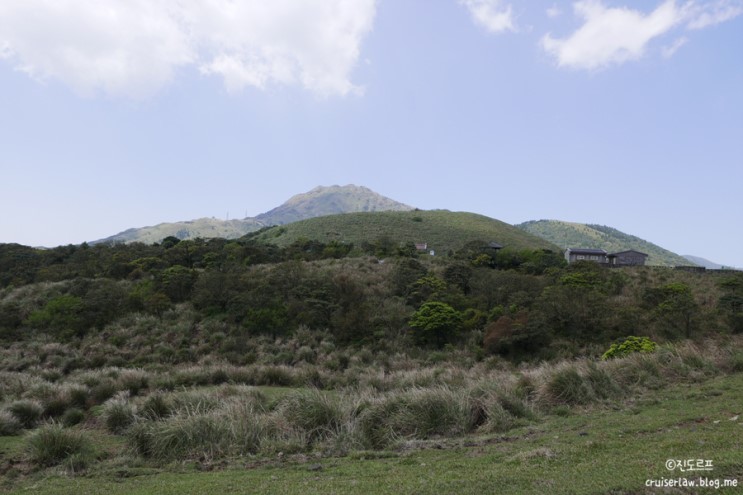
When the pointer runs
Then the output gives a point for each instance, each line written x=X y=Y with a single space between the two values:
x=571 y=427
x=442 y=230
x=603 y=449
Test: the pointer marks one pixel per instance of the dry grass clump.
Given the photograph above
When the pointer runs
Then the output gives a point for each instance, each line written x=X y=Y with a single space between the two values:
x=498 y=406
x=418 y=413
x=186 y=436
x=9 y=424
x=320 y=415
x=53 y=444
x=27 y=412
x=118 y=414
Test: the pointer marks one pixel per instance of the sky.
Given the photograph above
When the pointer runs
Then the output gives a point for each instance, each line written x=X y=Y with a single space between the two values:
x=127 y=113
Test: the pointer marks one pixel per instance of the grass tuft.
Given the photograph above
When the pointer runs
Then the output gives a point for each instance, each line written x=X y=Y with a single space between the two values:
x=567 y=386
x=52 y=444
x=27 y=412
x=118 y=415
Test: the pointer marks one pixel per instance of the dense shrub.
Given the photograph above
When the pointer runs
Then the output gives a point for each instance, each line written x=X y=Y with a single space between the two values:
x=628 y=346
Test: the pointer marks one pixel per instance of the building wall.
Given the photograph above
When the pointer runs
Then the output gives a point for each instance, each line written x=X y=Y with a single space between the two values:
x=630 y=259
x=598 y=258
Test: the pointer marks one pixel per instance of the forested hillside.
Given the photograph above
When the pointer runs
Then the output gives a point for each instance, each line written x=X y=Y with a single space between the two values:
x=137 y=303
x=578 y=235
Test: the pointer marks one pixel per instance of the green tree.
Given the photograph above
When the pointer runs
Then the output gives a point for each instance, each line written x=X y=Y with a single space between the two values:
x=436 y=323
x=177 y=282
x=425 y=289
x=270 y=320
x=675 y=306
x=731 y=302
x=63 y=314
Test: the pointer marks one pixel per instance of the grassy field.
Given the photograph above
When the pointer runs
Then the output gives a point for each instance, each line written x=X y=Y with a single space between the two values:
x=605 y=448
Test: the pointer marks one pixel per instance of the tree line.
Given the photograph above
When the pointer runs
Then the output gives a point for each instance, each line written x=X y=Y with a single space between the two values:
x=525 y=304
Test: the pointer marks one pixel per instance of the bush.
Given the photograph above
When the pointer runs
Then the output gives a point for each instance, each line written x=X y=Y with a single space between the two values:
x=602 y=384
x=118 y=415
x=52 y=444
x=628 y=346
x=736 y=362
x=73 y=416
x=156 y=407
x=27 y=412
x=319 y=414
x=566 y=386
x=417 y=413
x=181 y=437
x=78 y=395
x=498 y=410
x=103 y=391
x=9 y=424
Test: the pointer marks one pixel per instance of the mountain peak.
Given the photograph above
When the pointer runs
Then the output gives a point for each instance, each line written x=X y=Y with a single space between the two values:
x=330 y=200
x=318 y=202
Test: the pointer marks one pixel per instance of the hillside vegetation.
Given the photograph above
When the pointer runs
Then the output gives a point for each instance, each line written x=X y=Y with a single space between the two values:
x=117 y=360
x=578 y=235
x=441 y=230
x=319 y=201
x=203 y=227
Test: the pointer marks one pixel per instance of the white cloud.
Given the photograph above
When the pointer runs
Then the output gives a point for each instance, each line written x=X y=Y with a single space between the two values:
x=554 y=11
x=135 y=47
x=670 y=50
x=493 y=15
x=127 y=47
x=313 y=43
x=611 y=35
x=614 y=35
x=715 y=13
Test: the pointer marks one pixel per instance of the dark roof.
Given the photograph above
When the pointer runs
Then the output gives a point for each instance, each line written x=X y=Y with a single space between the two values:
x=627 y=251
x=586 y=251
x=494 y=245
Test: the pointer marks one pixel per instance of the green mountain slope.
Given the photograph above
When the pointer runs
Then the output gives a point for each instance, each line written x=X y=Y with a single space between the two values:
x=317 y=202
x=442 y=230
x=191 y=229
x=574 y=235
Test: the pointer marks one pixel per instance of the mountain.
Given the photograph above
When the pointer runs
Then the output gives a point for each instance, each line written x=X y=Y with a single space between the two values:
x=441 y=230
x=190 y=229
x=317 y=202
x=575 y=235
x=709 y=265
x=322 y=201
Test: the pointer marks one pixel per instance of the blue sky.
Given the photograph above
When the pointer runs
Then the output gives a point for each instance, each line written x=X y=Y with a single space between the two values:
x=126 y=113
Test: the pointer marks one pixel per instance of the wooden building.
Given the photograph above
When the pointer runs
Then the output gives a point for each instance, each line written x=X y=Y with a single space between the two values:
x=627 y=258
x=584 y=254
x=622 y=258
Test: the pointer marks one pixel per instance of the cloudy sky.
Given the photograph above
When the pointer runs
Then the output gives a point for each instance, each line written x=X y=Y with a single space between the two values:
x=126 y=113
